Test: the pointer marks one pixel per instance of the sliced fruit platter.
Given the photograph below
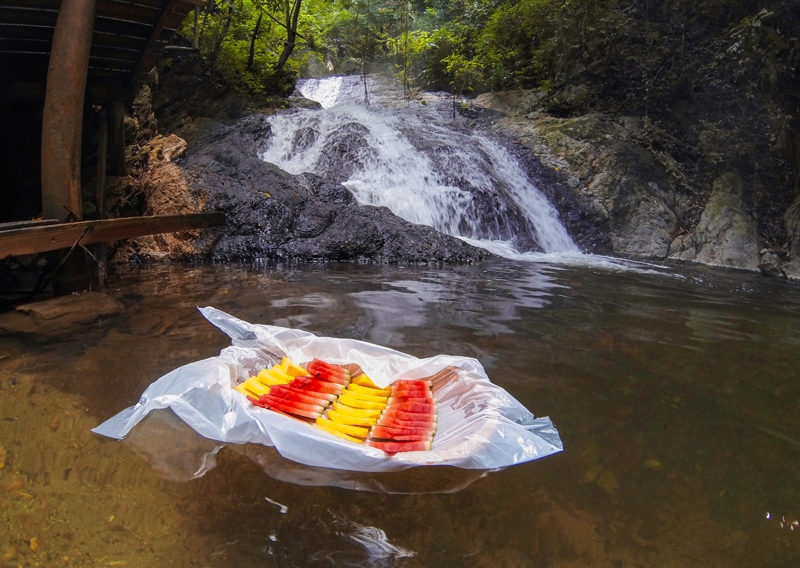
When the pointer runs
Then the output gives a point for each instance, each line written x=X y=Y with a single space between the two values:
x=399 y=418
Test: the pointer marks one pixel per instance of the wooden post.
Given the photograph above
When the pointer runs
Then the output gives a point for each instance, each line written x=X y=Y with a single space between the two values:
x=116 y=138
x=100 y=200
x=63 y=109
x=102 y=151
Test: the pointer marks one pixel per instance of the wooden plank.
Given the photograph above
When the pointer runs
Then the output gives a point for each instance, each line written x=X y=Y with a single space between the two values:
x=27 y=17
x=34 y=240
x=23 y=224
x=122 y=27
x=26 y=32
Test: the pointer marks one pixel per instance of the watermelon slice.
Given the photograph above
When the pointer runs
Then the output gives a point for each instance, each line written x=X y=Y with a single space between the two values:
x=290 y=394
x=284 y=408
x=316 y=394
x=269 y=399
x=312 y=384
x=392 y=433
x=411 y=392
x=333 y=373
x=395 y=447
x=412 y=416
x=330 y=376
x=396 y=423
x=421 y=407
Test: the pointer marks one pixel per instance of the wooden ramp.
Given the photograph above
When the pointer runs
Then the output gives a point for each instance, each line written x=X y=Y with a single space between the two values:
x=46 y=237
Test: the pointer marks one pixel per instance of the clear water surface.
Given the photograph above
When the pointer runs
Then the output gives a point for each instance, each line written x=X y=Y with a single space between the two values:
x=675 y=392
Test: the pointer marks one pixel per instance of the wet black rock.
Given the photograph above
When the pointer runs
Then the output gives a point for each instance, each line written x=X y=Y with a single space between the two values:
x=273 y=215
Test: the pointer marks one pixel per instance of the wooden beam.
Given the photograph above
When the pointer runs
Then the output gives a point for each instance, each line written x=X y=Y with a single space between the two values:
x=63 y=109
x=32 y=240
x=116 y=142
x=156 y=31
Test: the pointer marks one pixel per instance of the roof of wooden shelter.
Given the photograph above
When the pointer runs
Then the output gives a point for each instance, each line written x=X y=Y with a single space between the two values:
x=125 y=33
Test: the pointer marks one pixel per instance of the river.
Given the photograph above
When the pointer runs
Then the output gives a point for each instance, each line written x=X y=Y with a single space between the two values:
x=674 y=390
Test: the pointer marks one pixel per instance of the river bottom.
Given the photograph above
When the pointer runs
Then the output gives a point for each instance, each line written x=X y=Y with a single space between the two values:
x=675 y=396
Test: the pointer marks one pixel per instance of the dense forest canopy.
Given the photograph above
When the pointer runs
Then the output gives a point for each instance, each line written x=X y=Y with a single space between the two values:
x=718 y=76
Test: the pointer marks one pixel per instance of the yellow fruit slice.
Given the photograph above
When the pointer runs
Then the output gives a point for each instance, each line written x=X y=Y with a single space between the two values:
x=365 y=397
x=334 y=416
x=252 y=387
x=350 y=411
x=369 y=391
x=291 y=368
x=350 y=400
x=269 y=377
x=278 y=372
x=340 y=434
x=356 y=431
x=364 y=381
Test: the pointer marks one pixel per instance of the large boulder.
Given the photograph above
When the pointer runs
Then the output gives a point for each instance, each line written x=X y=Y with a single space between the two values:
x=792 y=221
x=271 y=214
x=725 y=236
x=609 y=176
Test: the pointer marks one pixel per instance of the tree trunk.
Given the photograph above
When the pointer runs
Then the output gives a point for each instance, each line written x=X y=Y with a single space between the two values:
x=252 y=54
x=292 y=11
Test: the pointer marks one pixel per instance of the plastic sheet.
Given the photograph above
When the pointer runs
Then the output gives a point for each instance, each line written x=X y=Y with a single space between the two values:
x=481 y=426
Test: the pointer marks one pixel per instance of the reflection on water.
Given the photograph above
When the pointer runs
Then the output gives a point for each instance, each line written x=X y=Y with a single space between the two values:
x=676 y=399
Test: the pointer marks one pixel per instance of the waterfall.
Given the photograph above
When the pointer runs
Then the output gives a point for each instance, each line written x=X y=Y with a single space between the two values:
x=414 y=160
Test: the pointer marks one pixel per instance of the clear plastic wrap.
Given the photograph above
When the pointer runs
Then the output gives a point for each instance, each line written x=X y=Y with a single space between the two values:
x=480 y=426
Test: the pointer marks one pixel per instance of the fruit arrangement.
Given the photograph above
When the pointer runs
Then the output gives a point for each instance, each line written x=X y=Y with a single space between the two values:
x=400 y=418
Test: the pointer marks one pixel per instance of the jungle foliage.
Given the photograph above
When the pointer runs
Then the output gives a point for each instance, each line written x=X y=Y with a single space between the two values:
x=721 y=76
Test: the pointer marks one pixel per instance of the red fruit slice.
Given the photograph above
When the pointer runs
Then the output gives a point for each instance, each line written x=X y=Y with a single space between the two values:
x=401 y=437
x=330 y=376
x=396 y=423
x=413 y=416
x=421 y=407
x=285 y=408
x=312 y=384
x=393 y=433
x=289 y=394
x=392 y=399
x=413 y=383
x=415 y=392
x=318 y=366
x=269 y=399
x=316 y=394
x=395 y=447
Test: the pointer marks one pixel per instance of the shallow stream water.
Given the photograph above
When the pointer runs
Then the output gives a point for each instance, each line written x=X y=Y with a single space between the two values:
x=675 y=392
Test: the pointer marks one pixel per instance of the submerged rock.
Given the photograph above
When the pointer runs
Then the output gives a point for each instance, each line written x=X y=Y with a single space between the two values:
x=59 y=315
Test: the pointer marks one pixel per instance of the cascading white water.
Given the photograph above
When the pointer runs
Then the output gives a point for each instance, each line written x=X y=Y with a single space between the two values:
x=415 y=162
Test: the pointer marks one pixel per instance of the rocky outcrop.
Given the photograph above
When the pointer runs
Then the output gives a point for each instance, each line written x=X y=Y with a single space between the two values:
x=726 y=235
x=271 y=214
x=792 y=220
x=608 y=176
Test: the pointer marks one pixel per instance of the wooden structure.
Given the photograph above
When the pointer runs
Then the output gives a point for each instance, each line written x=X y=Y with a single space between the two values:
x=74 y=53
x=52 y=236
x=124 y=33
